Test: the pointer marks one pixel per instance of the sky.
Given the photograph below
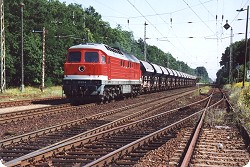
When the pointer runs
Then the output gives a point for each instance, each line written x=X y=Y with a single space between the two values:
x=191 y=30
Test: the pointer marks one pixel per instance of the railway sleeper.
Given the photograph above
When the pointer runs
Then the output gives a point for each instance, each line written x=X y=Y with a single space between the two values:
x=87 y=152
x=93 y=151
x=225 y=157
x=133 y=154
x=120 y=140
x=77 y=156
x=10 y=156
x=123 y=163
x=96 y=146
x=70 y=161
x=198 y=162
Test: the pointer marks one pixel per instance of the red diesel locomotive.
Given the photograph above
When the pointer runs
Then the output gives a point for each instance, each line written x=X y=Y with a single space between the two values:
x=100 y=71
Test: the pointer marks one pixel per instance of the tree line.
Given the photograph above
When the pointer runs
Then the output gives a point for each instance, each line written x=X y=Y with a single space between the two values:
x=67 y=25
x=238 y=61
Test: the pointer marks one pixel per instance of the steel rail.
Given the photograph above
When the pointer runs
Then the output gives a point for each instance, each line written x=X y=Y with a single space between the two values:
x=5 y=104
x=230 y=152
x=195 y=137
x=242 y=129
x=142 y=141
x=16 y=139
x=117 y=122
x=33 y=113
x=4 y=115
x=44 y=131
x=78 y=140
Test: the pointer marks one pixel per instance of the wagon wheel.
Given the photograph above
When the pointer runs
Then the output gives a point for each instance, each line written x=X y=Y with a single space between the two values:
x=112 y=95
x=106 y=95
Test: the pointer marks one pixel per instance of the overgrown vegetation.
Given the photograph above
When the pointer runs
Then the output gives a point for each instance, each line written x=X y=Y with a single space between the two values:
x=217 y=117
x=238 y=96
x=241 y=101
x=62 y=31
x=205 y=89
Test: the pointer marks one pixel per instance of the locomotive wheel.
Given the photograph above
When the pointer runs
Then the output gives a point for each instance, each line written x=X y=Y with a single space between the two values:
x=111 y=97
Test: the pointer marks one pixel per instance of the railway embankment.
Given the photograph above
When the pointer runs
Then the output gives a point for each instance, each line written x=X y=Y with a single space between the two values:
x=240 y=99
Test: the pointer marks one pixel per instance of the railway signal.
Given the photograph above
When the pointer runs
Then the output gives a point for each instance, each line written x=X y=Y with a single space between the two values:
x=227 y=26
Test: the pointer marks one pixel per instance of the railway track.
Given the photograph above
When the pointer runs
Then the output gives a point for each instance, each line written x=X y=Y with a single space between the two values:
x=18 y=124
x=213 y=146
x=38 y=112
x=10 y=129
x=70 y=128
x=31 y=101
x=221 y=146
x=94 y=135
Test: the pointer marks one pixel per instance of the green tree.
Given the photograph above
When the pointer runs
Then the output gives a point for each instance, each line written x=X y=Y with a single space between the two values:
x=238 y=59
x=201 y=72
x=33 y=59
x=65 y=25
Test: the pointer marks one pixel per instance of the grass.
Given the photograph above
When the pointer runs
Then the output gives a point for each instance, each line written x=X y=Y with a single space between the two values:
x=12 y=94
x=240 y=98
x=205 y=89
x=202 y=90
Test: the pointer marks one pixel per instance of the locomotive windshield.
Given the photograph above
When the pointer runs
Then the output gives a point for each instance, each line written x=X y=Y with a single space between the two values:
x=74 y=57
x=91 y=57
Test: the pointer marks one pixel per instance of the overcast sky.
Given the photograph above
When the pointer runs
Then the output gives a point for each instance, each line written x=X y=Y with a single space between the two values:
x=191 y=30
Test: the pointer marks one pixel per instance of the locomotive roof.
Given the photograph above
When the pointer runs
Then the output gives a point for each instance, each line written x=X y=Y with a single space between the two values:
x=114 y=52
x=107 y=49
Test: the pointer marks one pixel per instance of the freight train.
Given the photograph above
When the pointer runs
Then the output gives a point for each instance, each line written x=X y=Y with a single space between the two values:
x=106 y=73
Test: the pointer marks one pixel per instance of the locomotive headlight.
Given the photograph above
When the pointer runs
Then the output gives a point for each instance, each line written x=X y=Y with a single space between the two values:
x=81 y=68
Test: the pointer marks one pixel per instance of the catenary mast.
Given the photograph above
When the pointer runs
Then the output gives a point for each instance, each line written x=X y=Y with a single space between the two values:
x=2 y=54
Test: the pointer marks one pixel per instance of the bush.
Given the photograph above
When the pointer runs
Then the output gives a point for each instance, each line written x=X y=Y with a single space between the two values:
x=240 y=98
x=246 y=97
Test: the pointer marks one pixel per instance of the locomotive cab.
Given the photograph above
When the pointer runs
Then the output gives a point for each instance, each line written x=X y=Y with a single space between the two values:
x=84 y=70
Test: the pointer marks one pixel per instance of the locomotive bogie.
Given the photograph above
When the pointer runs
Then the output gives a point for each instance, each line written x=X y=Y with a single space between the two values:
x=97 y=87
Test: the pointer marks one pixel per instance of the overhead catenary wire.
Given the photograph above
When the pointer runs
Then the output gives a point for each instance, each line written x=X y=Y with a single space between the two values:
x=181 y=16
x=170 y=27
x=215 y=33
x=159 y=14
x=200 y=18
x=145 y=18
x=247 y=2
x=152 y=24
